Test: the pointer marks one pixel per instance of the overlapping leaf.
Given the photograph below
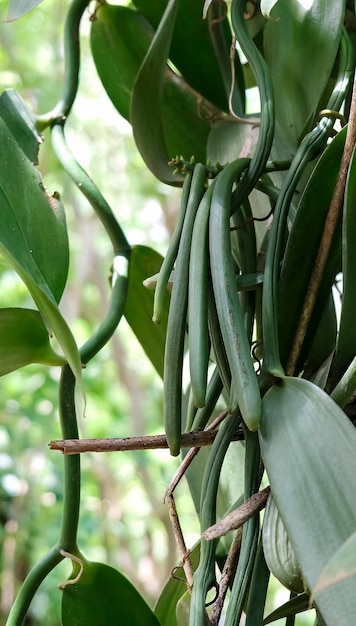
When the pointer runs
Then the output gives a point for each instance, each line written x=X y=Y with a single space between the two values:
x=298 y=36
x=144 y=263
x=303 y=246
x=173 y=591
x=308 y=446
x=21 y=123
x=342 y=565
x=103 y=596
x=195 y=59
x=120 y=38
x=24 y=339
x=33 y=236
x=146 y=113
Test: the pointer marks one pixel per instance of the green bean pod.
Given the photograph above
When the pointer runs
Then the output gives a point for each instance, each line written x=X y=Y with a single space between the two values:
x=250 y=535
x=244 y=392
x=169 y=259
x=217 y=344
x=199 y=343
x=204 y=578
x=177 y=318
x=214 y=389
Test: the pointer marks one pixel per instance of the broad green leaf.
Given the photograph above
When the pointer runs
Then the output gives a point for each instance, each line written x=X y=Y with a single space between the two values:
x=146 y=112
x=308 y=447
x=32 y=224
x=299 y=259
x=33 y=239
x=102 y=597
x=120 y=38
x=21 y=123
x=146 y=262
x=341 y=566
x=18 y=8
x=196 y=60
x=297 y=36
x=173 y=591
x=346 y=344
x=24 y=339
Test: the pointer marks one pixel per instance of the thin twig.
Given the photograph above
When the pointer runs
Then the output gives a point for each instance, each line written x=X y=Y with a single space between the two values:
x=236 y=518
x=326 y=239
x=226 y=576
x=178 y=535
x=195 y=439
x=169 y=498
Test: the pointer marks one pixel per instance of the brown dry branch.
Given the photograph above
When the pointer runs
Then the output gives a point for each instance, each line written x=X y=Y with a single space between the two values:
x=236 y=518
x=169 y=498
x=226 y=576
x=195 y=439
x=178 y=535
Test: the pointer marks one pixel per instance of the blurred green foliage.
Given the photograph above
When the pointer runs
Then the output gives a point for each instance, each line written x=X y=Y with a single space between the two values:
x=123 y=520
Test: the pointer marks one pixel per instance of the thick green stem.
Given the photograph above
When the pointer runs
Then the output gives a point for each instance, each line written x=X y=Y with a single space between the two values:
x=89 y=189
x=72 y=65
x=31 y=585
x=71 y=503
x=71 y=496
x=114 y=313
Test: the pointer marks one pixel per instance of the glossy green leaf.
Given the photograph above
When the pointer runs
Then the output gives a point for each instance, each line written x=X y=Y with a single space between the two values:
x=21 y=123
x=32 y=224
x=146 y=112
x=24 y=339
x=18 y=8
x=173 y=591
x=196 y=59
x=103 y=596
x=346 y=344
x=300 y=35
x=341 y=566
x=299 y=259
x=146 y=262
x=308 y=447
x=33 y=239
x=120 y=38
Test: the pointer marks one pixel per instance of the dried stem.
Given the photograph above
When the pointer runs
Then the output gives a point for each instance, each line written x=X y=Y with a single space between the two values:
x=236 y=518
x=178 y=535
x=226 y=576
x=151 y=442
x=168 y=497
